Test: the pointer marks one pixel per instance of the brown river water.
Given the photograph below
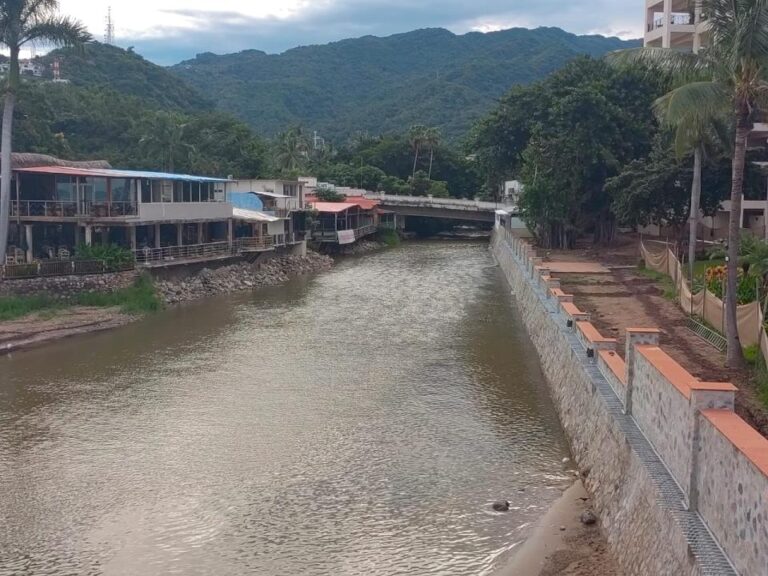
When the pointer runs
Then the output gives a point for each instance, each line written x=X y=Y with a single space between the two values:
x=357 y=422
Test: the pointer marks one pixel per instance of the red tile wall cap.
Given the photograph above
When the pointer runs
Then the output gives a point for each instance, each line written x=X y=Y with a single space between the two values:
x=615 y=363
x=591 y=333
x=745 y=438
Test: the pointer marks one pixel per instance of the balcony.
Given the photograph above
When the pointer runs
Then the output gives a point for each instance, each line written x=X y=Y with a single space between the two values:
x=679 y=19
x=56 y=209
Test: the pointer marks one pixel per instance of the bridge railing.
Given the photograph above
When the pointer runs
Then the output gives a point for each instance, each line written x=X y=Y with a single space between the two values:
x=446 y=203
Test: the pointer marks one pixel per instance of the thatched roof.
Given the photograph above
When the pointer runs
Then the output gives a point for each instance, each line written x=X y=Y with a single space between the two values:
x=27 y=160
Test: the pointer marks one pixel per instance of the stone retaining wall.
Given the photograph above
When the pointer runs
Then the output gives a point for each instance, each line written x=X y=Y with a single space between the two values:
x=655 y=523
x=67 y=286
x=237 y=277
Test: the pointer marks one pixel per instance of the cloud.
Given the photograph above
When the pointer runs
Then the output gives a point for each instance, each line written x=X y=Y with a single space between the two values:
x=167 y=31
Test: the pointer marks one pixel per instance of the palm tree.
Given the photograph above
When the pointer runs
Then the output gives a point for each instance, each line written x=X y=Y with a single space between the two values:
x=695 y=133
x=166 y=138
x=431 y=139
x=291 y=150
x=736 y=67
x=26 y=22
x=416 y=137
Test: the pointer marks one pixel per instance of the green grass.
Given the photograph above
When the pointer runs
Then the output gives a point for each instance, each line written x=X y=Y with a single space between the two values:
x=137 y=299
x=664 y=282
x=13 y=307
x=140 y=298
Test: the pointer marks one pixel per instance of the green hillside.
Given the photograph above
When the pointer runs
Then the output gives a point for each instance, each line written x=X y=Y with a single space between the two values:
x=129 y=74
x=372 y=84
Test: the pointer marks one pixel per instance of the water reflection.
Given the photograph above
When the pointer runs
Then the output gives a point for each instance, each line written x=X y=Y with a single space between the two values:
x=357 y=422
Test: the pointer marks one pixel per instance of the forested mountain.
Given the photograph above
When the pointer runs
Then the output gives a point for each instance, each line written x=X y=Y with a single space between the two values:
x=373 y=84
x=127 y=73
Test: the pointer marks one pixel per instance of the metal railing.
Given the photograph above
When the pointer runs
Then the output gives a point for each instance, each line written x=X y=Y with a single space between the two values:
x=68 y=209
x=44 y=208
x=332 y=235
x=110 y=209
x=46 y=269
x=427 y=202
x=254 y=244
x=190 y=252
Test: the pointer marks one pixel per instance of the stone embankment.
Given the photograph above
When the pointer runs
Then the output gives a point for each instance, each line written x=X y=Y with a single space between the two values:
x=677 y=478
x=239 y=277
x=65 y=287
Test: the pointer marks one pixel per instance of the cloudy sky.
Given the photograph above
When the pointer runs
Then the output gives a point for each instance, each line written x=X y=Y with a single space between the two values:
x=167 y=31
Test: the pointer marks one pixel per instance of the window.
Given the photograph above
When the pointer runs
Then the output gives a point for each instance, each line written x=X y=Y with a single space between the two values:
x=146 y=191
x=65 y=188
x=122 y=190
x=95 y=189
x=178 y=193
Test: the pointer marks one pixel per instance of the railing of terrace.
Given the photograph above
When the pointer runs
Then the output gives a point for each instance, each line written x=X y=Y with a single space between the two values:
x=44 y=208
x=255 y=243
x=190 y=252
x=49 y=268
x=68 y=209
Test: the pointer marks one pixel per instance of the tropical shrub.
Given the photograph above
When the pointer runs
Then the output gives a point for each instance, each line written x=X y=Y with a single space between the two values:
x=114 y=257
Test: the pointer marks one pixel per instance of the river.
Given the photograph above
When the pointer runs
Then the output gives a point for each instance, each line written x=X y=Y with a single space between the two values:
x=357 y=422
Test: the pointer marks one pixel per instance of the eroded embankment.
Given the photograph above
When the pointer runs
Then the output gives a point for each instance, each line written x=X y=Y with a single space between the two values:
x=650 y=529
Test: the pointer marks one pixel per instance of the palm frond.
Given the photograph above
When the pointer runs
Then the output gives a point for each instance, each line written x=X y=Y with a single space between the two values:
x=670 y=61
x=58 y=31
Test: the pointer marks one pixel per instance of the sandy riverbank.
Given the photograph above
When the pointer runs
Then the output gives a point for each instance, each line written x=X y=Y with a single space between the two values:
x=562 y=545
x=41 y=328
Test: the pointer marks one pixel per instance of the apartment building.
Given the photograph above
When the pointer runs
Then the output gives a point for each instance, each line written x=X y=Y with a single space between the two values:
x=677 y=24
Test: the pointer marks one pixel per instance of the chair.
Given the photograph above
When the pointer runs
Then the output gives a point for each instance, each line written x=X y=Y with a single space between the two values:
x=63 y=253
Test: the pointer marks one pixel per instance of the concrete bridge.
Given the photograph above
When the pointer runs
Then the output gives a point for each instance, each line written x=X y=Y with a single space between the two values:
x=449 y=208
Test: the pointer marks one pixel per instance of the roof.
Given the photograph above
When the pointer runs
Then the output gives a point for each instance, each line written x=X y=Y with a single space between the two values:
x=332 y=207
x=252 y=215
x=21 y=160
x=363 y=202
x=269 y=194
x=111 y=173
x=359 y=201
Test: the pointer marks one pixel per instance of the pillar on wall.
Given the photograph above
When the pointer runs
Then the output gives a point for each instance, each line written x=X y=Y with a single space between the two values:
x=704 y=396
x=200 y=238
x=636 y=337
x=230 y=230
x=179 y=234
x=29 y=240
x=132 y=236
x=88 y=235
x=157 y=235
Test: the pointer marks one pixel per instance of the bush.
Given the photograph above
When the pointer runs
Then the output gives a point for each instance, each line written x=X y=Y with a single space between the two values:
x=114 y=257
x=715 y=279
x=388 y=236
x=325 y=194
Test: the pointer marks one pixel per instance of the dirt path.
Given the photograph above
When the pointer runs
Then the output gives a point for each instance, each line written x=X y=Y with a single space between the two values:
x=41 y=328
x=623 y=298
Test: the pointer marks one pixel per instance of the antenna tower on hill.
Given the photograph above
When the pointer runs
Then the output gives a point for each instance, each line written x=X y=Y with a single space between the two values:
x=109 y=30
